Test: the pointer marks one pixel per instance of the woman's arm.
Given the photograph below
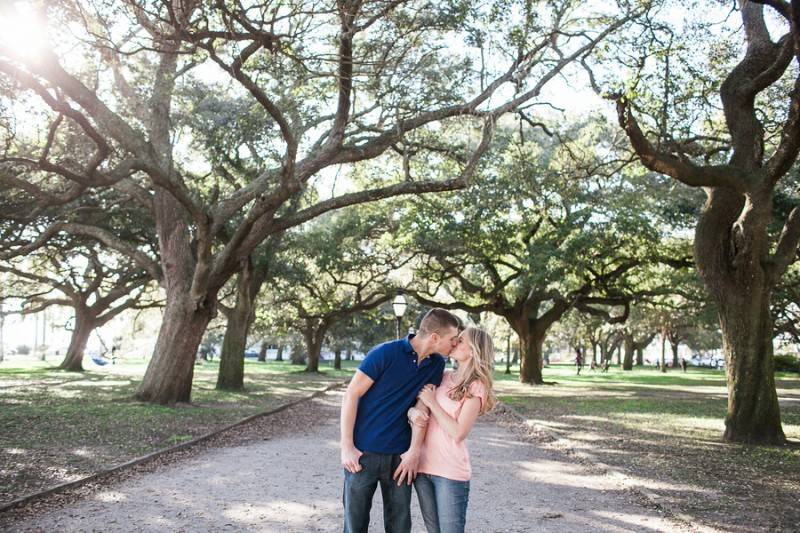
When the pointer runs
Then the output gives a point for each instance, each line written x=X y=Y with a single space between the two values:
x=418 y=415
x=459 y=428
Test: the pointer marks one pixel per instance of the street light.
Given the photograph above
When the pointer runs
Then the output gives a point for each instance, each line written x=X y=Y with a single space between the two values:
x=399 y=305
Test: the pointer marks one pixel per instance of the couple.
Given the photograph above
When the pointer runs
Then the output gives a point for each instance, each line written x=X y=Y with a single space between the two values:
x=383 y=433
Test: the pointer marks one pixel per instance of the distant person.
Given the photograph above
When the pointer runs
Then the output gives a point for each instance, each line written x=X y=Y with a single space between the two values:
x=443 y=483
x=377 y=444
x=683 y=363
x=593 y=365
x=578 y=360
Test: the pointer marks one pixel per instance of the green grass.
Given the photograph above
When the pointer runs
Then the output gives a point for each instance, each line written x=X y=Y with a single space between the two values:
x=177 y=439
x=665 y=431
x=664 y=428
x=55 y=425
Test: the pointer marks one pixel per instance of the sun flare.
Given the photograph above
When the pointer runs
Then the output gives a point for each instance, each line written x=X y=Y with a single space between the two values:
x=22 y=30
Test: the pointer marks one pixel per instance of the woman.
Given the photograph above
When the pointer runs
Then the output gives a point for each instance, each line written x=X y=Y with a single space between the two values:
x=442 y=483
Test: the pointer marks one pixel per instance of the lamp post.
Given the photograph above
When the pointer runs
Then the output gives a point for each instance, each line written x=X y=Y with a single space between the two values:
x=399 y=306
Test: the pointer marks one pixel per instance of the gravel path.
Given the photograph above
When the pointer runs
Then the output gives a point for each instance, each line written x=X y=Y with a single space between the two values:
x=292 y=483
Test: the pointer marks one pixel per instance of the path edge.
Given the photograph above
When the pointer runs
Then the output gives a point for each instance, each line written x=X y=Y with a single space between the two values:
x=56 y=489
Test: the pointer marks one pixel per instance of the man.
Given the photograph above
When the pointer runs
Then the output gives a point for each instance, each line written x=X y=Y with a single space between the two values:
x=376 y=439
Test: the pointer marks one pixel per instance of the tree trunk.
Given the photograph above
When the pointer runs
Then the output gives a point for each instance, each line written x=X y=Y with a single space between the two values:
x=314 y=335
x=731 y=248
x=337 y=359
x=753 y=410
x=663 y=362
x=674 y=346
x=531 y=340
x=190 y=301
x=531 y=360
x=594 y=352
x=168 y=378
x=508 y=354
x=349 y=355
x=262 y=353
x=640 y=356
x=240 y=318
x=84 y=325
x=618 y=351
x=627 y=363
x=231 y=360
x=279 y=354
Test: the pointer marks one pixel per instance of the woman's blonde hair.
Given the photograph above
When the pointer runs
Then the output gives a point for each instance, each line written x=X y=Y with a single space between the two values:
x=479 y=367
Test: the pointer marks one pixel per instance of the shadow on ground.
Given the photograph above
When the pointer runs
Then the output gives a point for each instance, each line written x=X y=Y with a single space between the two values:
x=666 y=435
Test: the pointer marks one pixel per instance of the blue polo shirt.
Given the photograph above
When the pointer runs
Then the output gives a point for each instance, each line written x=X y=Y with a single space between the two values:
x=381 y=423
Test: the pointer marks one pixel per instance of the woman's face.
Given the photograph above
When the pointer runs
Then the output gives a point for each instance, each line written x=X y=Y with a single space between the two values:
x=461 y=352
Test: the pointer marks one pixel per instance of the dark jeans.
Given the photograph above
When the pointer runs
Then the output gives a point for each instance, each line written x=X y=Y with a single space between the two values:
x=443 y=503
x=360 y=487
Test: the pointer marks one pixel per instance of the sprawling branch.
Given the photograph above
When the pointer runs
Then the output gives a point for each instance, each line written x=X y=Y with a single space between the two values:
x=113 y=242
x=586 y=305
x=676 y=167
x=788 y=244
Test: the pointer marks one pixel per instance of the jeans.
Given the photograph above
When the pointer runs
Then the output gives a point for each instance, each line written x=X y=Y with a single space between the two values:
x=360 y=487
x=443 y=503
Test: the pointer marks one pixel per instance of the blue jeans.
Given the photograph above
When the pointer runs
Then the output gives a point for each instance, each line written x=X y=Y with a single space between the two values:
x=360 y=487
x=443 y=503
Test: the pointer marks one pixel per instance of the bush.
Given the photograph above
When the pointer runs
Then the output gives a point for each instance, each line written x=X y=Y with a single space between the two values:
x=787 y=363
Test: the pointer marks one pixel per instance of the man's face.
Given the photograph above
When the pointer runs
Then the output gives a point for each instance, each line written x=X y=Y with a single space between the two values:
x=448 y=339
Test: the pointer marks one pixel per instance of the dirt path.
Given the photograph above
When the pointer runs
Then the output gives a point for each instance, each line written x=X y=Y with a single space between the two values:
x=293 y=483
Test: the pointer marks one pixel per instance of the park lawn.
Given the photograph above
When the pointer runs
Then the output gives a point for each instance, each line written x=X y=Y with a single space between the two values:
x=58 y=426
x=664 y=430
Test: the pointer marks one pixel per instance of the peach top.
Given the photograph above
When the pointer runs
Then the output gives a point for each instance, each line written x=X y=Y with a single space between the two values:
x=441 y=455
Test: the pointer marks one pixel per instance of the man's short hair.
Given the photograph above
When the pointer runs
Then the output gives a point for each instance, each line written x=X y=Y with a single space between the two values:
x=436 y=320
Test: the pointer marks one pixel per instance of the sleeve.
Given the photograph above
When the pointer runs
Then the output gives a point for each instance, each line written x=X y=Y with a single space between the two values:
x=375 y=363
x=478 y=390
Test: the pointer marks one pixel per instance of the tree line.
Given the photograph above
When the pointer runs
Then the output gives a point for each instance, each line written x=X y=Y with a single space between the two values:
x=309 y=159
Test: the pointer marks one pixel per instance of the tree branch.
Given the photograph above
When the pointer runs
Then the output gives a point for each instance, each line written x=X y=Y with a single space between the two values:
x=681 y=169
x=788 y=244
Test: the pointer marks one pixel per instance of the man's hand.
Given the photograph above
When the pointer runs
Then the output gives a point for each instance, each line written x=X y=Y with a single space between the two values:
x=350 y=456
x=407 y=469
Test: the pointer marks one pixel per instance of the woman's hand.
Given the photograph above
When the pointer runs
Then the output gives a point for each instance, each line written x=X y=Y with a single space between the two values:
x=418 y=417
x=428 y=395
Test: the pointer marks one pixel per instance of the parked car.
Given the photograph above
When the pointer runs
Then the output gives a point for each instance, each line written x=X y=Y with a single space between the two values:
x=251 y=354
x=708 y=361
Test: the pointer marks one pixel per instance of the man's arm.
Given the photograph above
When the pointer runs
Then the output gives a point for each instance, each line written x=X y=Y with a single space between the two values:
x=419 y=429
x=359 y=385
x=407 y=469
